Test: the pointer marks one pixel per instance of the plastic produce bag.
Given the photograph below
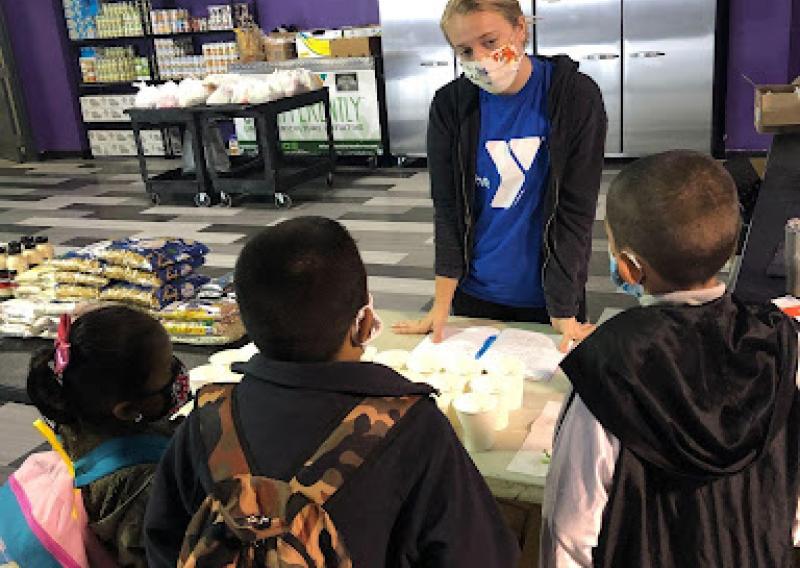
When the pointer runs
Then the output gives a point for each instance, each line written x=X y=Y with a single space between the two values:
x=147 y=97
x=168 y=95
x=191 y=92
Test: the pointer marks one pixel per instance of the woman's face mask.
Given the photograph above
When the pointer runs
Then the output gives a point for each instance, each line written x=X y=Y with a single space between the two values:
x=377 y=324
x=496 y=72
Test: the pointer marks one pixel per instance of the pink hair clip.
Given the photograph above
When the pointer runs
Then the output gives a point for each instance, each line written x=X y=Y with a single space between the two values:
x=61 y=358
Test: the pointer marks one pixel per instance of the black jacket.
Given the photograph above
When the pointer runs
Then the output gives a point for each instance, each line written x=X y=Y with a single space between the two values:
x=418 y=501
x=577 y=143
x=705 y=404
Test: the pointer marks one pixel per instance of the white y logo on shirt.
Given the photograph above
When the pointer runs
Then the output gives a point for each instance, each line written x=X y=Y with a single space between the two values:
x=512 y=167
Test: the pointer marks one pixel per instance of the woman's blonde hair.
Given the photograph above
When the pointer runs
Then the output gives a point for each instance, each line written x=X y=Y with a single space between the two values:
x=509 y=9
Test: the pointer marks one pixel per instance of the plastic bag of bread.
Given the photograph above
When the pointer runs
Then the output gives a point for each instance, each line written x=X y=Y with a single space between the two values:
x=148 y=279
x=191 y=92
x=150 y=254
x=147 y=97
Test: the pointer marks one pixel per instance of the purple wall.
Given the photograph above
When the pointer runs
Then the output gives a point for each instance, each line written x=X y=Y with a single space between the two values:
x=759 y=48
x=304 y=14
x=318 y=13
x=38 y=39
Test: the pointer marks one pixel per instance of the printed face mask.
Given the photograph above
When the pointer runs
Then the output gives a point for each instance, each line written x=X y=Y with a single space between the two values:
x=175 y=394
x=635 y=290
x=496 y=72
x=377 y=324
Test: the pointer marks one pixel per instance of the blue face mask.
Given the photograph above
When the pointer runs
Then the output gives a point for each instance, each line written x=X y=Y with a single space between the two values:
x=635 y=290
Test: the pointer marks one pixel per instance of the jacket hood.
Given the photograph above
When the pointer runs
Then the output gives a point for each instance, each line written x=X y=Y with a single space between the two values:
x=695 y=391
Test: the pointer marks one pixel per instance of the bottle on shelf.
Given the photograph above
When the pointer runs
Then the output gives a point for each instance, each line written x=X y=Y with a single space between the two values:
x=29 y=252
x=16 y=262
x=44 y=247
x=3 y=257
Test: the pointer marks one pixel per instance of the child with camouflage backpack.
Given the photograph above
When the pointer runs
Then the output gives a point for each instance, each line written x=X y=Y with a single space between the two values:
x=316 y=459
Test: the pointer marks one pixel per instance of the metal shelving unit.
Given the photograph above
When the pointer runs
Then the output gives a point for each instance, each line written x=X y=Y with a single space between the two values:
x=147 y=43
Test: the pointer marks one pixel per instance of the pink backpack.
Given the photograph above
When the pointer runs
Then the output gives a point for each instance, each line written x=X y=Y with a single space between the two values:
x=43 y=522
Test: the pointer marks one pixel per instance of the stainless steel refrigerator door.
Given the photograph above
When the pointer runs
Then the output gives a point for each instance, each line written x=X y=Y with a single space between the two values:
x=590 y=32
x=668 y=82
x=417 y=62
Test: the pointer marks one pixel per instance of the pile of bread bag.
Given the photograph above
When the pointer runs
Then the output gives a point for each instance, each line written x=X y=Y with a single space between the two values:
x=228 y=89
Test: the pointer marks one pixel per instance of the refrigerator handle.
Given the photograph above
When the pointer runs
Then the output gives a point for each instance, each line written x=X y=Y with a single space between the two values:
x=601 y=56
x=648 y=54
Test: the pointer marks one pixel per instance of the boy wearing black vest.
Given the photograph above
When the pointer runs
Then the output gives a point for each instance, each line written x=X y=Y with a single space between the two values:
x=680 y=445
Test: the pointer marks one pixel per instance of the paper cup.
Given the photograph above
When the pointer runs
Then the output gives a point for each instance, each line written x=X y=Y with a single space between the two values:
x=394 y=358
x=512 y=390
x=478 y=415
x=370 y=351
x=426 y=363
x=486 y=385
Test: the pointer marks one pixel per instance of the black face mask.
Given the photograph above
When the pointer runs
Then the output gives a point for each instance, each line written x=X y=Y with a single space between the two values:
x=176 y=393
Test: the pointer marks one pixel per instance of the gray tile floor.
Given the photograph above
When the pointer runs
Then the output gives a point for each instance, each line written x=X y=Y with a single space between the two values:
x=389 y=213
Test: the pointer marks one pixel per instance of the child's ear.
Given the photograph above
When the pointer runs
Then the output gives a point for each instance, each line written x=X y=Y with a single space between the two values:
x=126 y=412
x=630 y=271
x=364 y=330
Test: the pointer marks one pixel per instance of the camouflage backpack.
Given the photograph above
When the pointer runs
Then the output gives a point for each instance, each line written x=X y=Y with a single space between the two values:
x=249 y=520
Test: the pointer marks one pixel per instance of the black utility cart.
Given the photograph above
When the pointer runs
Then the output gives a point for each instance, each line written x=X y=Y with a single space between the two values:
x=174 y=181
x=269 y=173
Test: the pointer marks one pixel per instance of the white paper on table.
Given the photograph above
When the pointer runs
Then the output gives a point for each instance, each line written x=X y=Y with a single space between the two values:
x=456 y=342
x=530 y=459
x=537 y=351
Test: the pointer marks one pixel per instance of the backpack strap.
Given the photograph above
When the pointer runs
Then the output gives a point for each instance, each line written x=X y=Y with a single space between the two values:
x=117 y=454
x=349 y=446
x=226 y=457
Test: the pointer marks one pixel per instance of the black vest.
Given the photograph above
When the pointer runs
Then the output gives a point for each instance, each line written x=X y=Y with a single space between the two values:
x=704 y=402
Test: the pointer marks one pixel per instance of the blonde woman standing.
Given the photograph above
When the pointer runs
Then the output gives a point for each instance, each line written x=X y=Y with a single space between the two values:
x=515 y=152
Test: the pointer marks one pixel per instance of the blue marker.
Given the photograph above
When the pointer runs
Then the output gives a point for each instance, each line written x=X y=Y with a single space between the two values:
x=485 y=347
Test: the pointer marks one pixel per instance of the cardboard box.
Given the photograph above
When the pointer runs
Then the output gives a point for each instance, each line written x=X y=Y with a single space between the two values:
x=280 y=46
x=316 y=43
x=777 y=108
x=356 y=47
x=364 y=31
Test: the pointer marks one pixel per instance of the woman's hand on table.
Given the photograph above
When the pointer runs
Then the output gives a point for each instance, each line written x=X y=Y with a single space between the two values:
x=572 y=332
x=434 y=321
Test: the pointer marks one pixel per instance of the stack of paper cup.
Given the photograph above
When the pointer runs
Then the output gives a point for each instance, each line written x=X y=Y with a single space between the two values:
x=509 y=374
x=477 y=415
x=489 y=386
x=460 y=371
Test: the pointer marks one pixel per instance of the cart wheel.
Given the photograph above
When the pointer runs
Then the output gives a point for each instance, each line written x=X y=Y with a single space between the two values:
x=283 y=201
x=329 y=179
x=225 y=199
x=202 y=200
x=155 y=198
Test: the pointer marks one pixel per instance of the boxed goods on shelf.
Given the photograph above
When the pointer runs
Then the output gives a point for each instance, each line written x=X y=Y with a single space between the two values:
x=122 y=19
x=316 y=43
x=356 y=47
x=106 y=108
x=113 y=65
x=122 y=143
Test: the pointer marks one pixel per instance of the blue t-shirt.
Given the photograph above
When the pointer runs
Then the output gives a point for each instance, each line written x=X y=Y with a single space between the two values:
x=512 y=170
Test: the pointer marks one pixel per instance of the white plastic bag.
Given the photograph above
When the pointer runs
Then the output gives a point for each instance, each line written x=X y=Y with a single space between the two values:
x=147 y=97
x=191 y=92
x=168 y=95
